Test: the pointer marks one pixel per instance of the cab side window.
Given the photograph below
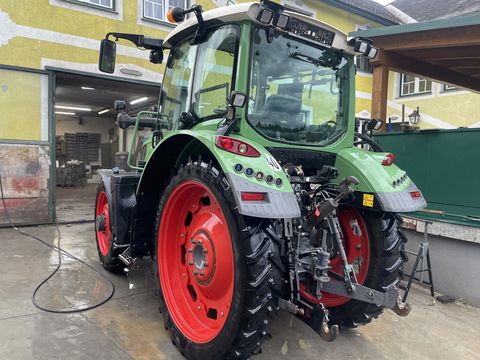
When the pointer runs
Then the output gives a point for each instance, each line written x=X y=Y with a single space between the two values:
x=214 y=73
x=177 y=81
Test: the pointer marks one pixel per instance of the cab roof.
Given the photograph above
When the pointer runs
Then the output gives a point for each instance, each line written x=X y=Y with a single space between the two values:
x=247 y=11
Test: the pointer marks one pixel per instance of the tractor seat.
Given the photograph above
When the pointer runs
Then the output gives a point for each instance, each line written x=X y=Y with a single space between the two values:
x=281 y=103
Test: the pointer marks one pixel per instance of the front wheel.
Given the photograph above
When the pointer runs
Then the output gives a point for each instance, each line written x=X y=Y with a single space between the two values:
x=217 y=280
x=107 y=253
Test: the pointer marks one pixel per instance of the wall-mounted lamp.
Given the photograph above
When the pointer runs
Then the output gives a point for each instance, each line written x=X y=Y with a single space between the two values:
x=414 y=116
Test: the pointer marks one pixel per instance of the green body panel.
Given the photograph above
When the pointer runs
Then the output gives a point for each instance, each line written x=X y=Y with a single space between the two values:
x=367 y=167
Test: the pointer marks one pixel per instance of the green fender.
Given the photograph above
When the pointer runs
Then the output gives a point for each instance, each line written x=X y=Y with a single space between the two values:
x=386 y=188
x=178 y=147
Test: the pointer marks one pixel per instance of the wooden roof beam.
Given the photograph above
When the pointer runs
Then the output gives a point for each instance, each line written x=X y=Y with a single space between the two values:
x=457 y=52
x=463 y=36
x=457 y=63
x=402 y=63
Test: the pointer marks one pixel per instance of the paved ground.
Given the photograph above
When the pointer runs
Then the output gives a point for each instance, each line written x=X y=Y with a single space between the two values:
x=130 y=327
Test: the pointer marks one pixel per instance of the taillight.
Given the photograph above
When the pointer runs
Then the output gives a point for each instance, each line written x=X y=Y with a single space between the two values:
x=236 y=146
x=253 y=196
x=388 y=159
x=415 y=194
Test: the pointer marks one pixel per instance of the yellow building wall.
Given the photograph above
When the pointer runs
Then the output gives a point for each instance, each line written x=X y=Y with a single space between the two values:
x=438 y=109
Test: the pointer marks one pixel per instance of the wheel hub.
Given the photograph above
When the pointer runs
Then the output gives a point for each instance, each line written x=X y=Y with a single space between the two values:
x=101 y=223
x=201 y=257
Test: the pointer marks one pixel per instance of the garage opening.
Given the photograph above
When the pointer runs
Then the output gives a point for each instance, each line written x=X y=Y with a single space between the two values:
x=86 y=136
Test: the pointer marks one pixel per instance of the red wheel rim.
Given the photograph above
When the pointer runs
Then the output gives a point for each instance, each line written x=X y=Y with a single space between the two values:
x=195 y=258
x=357 y=247
x=103 y=233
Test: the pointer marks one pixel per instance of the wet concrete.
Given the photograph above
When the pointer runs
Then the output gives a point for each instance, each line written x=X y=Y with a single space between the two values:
x=75 y=203
x=130 y=327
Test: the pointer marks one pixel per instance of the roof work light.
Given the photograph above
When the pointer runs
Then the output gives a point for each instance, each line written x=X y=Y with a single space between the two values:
x=364 y=46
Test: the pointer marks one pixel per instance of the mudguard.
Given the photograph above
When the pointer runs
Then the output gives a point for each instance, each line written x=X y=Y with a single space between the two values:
x=385 y=188
x=280 y=201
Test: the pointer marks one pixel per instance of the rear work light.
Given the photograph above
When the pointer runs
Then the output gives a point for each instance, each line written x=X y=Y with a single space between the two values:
x=236 y=146
x=253 y=196
x=388 y=159
x=416 y=194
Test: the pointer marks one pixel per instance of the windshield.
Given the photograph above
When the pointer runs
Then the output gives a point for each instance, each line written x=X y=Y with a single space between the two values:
x=297 y=91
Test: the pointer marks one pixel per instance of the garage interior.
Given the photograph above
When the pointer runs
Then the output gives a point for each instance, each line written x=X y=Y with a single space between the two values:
x=86 y=136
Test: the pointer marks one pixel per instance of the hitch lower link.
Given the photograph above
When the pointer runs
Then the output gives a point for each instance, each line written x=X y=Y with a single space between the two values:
x=390 y=298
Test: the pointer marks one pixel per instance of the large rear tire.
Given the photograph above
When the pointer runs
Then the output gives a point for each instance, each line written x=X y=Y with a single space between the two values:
x=218 y=273
x=387 y=255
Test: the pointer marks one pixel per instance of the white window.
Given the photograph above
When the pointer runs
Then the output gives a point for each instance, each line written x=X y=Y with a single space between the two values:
x=108 y=4
x=410 y=85
x=158 y=9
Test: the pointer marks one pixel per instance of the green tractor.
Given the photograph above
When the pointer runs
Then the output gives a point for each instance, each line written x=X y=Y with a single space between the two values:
x=249 y=194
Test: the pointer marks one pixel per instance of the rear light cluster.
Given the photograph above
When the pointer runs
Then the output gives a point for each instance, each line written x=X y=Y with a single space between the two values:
x=260 y=176
x=236 y=146
x=388 y=159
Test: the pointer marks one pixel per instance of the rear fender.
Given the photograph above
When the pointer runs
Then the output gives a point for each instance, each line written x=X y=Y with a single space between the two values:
x=383 y=188
x=179 y=147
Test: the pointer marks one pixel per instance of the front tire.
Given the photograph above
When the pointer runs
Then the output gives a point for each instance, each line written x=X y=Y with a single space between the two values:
x=107 y=253
x=219 y=282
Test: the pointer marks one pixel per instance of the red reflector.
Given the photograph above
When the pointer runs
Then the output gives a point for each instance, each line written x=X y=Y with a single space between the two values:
x=236 y=146
x=252 y=196
x=415 y=194
x=388 y=159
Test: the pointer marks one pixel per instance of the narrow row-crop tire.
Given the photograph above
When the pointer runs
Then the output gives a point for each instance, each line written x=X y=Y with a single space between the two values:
x=258 y=272
x=387 y=256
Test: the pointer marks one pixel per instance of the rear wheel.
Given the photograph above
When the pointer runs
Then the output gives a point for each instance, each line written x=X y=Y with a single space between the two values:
x=107 y=253
x=217 y=271
x=382 y=271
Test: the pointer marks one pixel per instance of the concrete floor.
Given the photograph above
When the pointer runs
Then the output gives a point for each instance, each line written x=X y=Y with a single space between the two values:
x=130 y=326
x=75 y=204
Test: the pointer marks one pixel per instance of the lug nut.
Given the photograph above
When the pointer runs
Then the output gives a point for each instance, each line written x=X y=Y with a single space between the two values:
x=190 y=251
x=190 y=263
x=358 y=246
x=193 y=241
x=222 y=314
x=199 y=307
x=202 y=273
x=195 y=273
x=200 y=241
x=204 y=251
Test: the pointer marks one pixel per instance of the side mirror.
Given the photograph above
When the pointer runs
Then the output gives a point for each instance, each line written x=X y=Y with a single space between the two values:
x=106 y=62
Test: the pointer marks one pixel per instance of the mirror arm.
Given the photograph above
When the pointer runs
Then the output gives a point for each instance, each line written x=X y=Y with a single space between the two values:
x=138 y=40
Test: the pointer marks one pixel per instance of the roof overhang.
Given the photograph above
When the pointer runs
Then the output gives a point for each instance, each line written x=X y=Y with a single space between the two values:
x=447 y=51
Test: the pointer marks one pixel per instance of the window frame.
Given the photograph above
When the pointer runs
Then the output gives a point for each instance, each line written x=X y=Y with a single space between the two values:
x=448 y=88
x=163 y=21
x=416 y=86
x=86 y=3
